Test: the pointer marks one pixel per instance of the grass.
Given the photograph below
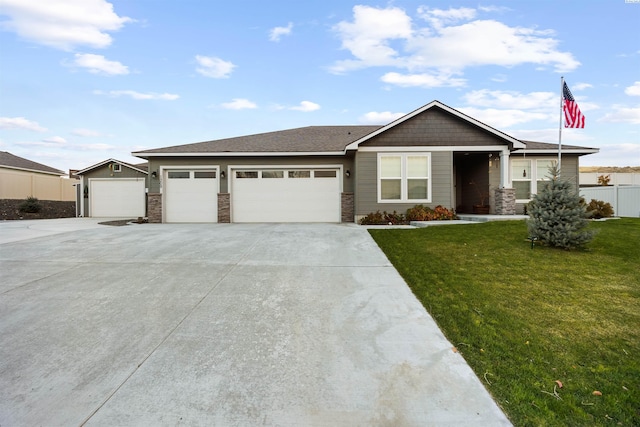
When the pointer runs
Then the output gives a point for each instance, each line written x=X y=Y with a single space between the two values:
x=525 y=318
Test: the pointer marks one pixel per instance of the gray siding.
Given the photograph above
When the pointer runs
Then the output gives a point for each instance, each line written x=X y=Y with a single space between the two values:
x=223 y=163
x=366 y=193
x=434 y=127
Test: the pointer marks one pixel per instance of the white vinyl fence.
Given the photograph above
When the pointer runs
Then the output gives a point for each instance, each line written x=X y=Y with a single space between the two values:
x=625 y=199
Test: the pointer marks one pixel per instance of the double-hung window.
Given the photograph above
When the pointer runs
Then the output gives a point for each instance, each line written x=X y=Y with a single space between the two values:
x=528 y=176
x=404 y=178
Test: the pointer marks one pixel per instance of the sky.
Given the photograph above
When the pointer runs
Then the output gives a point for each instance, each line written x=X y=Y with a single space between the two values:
x=82 y=81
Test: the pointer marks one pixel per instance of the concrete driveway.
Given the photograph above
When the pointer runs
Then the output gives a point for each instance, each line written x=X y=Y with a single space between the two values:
x=158 y=324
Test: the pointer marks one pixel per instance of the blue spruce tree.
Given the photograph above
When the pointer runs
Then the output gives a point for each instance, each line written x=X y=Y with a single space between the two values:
x=557 y=216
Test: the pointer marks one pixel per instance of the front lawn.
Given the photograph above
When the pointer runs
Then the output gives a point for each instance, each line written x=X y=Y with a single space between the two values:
x=554 y=335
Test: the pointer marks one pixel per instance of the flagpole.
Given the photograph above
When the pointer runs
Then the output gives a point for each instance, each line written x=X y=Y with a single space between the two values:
x=560 y=127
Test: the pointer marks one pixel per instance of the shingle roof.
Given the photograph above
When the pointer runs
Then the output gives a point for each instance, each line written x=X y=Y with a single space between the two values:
x=312 y=139
x=534 y=145
x=14 y=162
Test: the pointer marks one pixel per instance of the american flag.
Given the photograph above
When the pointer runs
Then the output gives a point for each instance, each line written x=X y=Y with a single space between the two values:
x=573 y=118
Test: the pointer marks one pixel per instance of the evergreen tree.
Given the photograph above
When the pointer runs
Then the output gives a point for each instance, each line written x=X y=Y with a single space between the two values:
x=557 y=216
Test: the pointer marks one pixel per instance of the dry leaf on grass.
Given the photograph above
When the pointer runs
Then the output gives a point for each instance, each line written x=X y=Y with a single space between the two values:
x=559 y=383
x=597 y=393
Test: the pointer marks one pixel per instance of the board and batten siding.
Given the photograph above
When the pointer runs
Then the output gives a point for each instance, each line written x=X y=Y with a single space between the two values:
x=434 y=128
x=366 y=193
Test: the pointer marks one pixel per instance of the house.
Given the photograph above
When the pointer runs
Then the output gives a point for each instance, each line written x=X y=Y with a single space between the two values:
x=434 y=155
x=113 y=189
x=21 y=178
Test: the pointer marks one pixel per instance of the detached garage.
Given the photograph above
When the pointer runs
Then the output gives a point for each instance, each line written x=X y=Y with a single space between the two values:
x=113 y=189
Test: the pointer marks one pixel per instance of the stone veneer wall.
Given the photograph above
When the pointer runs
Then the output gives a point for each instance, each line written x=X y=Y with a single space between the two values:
x=505 y=201
x=154 y=207
x=347 y=207
x=224 y=208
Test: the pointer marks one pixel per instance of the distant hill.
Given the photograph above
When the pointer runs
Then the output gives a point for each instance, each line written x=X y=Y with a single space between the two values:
x=610 y=169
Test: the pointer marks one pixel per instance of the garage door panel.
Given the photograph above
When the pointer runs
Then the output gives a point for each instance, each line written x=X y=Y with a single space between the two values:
x=191 y=196
x=294 y=196
x=117 y=198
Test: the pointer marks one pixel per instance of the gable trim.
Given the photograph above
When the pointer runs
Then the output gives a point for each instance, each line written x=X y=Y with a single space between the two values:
x=59 y=173
x=427 y=148
x=242 y=154
x=515 y=142
x=111 y=161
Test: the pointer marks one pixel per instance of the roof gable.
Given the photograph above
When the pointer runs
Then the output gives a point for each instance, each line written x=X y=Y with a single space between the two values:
x=139 y=168
x=515 y=143
x=12 y=161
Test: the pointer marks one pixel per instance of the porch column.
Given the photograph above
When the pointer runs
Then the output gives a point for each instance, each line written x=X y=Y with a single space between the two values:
x=505 y=179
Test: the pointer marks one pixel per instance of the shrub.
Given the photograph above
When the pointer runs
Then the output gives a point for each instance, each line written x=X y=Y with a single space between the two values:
x=557 y=218
x=599 y=209
x=377 y=218
x=30 y=205
x=423 y=213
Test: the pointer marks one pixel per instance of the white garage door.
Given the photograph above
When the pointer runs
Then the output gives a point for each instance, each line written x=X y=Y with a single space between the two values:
x=191 y=196
x=117 y=198
x=286 y=195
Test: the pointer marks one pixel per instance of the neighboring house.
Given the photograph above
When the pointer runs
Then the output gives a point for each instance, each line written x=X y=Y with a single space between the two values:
x=21 y=178
x=434 y=155
x=113 y=189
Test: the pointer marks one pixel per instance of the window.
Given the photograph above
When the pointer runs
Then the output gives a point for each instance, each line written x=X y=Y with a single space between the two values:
x=325 y=174
x=273 y=174
x=204 y=174
x=178 y=175
x=404 y=177
x=521 y=178
x=542 y=170
x=529 y=176
x=246 y=174
x=116 y=167
x=299 y=174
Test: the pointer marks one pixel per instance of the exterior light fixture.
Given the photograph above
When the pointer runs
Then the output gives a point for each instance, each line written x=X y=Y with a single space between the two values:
x=154 y=174
x=347 y=173
x=223 y=175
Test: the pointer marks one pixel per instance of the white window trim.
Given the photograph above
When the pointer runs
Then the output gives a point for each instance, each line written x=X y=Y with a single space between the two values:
x=403 y=177
x=533 y=179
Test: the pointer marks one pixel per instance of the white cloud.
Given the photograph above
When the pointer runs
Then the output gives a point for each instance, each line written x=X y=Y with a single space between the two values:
x=542 y=101
x=210 y=66
x=306 y=106
x=581 y=86
x=20 y=123
x=633 y=90
x=94 y=147
x=276 y=33
x=55 y=140
x=85 y=132
x=239 y=104
x=503 y=118
x=449 y=42
x=98 y=64
x=622 y=114
x=63 y=24
x=138 y=95
x=379 y=117
x=368 y=36
x=422 y=80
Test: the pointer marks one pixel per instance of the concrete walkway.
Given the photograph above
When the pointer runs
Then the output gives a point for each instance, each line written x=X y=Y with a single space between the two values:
x=229 y=325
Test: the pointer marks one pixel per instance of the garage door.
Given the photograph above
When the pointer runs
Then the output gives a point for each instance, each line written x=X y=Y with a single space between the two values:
x=286 y=195
x=191 y=196
x=117 y=198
